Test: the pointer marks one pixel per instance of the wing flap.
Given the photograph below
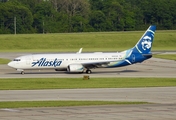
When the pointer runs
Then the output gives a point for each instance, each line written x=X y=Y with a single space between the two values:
x=96 y=64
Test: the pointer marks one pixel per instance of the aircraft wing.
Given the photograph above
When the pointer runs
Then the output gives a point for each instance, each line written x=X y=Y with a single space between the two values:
x=90 y=65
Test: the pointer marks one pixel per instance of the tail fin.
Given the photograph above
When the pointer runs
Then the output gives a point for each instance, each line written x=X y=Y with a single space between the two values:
x=144 y=45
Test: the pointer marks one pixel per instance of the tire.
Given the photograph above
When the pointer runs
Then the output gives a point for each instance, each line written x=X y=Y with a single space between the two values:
x=88 y=71
x=22 y=72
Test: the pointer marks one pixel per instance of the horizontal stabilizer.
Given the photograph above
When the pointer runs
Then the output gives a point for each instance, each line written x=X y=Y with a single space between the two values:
x=147 y=55
x=150 y=54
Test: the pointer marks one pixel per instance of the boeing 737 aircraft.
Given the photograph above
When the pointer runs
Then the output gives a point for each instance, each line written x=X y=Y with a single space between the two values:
x=83 y=62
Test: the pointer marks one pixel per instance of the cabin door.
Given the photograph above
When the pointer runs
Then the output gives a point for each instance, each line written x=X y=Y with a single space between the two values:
x=28 y=60
x=133 y=58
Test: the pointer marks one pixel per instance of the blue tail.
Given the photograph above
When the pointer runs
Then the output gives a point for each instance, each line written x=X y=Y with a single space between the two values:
x=141 y=51
x=144 y=45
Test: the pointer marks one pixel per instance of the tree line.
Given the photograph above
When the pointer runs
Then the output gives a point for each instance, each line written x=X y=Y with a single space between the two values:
x=62 y=16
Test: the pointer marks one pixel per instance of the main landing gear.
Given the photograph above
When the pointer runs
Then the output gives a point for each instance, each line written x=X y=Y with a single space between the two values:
x=88 y=71
x=22 y=72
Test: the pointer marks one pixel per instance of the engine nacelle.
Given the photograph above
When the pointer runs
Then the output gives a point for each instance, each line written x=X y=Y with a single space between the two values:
x=75 y=68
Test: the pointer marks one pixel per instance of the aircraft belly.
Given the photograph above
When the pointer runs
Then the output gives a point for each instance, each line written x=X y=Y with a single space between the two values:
x=118 y=64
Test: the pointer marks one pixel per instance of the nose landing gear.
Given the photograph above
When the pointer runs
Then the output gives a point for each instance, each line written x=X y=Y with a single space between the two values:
x=21 y=70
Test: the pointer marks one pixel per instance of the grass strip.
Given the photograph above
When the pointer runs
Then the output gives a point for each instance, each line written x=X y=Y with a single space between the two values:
x=4 y=61
x=96 y=41
x=27 y=104
x=76 y=83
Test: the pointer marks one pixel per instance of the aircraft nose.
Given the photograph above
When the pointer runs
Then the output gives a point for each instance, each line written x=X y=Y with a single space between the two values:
x=11 y=64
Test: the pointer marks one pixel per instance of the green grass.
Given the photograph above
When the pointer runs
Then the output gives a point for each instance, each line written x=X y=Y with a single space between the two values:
x=166 y=56
x=27 y=104
x=76 y=83
x=71 y=42
x=4 y=61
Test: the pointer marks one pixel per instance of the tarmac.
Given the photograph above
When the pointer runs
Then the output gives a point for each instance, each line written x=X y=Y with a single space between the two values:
x=163 y=99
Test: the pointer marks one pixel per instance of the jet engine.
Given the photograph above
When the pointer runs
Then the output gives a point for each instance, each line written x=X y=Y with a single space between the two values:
x=75 y=68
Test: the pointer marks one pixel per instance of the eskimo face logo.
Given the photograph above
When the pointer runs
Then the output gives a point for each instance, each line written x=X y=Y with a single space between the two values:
x=146 y=43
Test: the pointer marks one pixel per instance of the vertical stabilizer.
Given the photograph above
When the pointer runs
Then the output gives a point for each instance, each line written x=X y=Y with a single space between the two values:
x=144 y=45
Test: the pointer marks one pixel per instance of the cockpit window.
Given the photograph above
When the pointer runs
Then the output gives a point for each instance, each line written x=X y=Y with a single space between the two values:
x=17 y=60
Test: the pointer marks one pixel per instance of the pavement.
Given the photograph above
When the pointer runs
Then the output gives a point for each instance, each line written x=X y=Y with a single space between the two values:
x=163 y=98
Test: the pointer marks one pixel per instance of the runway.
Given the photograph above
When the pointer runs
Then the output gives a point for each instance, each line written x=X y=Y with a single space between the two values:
x=151 y=68
x=117 y=112
x=163 y=97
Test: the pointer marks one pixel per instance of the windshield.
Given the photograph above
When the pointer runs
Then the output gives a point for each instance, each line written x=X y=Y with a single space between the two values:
x=17 y=60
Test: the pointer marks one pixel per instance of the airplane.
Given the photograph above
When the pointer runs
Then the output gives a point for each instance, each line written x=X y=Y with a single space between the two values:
x=83 y=62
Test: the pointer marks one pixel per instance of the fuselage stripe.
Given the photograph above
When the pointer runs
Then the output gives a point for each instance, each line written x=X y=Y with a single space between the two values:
x=128 y=61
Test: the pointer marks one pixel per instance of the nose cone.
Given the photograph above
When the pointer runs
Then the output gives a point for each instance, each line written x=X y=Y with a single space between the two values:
x=11 y=64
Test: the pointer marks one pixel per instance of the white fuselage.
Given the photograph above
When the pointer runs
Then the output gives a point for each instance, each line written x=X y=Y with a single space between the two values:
x=62 y=61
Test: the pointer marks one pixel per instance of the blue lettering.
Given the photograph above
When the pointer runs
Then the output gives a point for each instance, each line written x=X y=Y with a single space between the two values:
x=55 y=62
x=43 y=62
x=59 y=63
x=50 y=63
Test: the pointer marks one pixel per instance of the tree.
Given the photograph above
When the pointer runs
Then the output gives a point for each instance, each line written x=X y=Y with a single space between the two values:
x=9 y=11
x=114 y=12
x=42 y=12
x=96 y=4
x=85 y=15
x=4 y=0
x=97 y=20
x=72 y=8
x=172 y=4
x=30 y=4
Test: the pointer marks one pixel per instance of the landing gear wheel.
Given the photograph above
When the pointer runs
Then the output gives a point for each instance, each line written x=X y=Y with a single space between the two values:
x=22 y=72
x=88 y=71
